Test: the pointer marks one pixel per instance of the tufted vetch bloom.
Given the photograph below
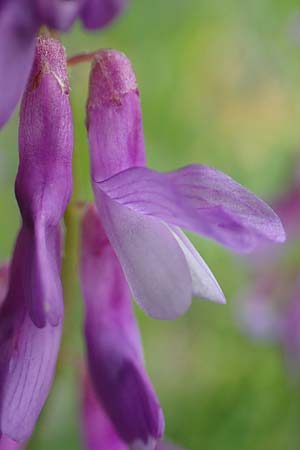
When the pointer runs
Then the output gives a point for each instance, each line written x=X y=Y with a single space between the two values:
x=32 y=311
x=142 y=210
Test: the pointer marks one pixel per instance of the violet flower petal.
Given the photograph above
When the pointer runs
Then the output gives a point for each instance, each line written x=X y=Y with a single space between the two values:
x=57 y=14
x=9 y=444
x=113 y=343
x=29 y=378
x=17 y=42
x=27 y=354
x=99 y=13
x=98 y=431
x=5 y=442
x=44 y=179
x=153 y=262
x=200 y=199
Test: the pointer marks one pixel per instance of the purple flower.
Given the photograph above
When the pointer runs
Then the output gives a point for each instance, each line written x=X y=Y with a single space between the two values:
x=269 y=309
x=141 y=209
x=114 y=349
x=97 y=430
x=19 y=22
x=32 y=312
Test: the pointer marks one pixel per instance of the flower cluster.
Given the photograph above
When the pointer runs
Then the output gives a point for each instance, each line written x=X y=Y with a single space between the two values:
x=131 y=244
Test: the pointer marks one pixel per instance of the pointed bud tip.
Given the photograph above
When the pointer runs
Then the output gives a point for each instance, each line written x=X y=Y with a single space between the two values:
x=50 y=57
x=111 y=78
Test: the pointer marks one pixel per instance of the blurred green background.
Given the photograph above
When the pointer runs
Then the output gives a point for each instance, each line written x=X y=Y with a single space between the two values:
x=220 y=85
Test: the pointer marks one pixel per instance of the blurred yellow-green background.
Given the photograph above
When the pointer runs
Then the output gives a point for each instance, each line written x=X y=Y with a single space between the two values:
x=220 y=85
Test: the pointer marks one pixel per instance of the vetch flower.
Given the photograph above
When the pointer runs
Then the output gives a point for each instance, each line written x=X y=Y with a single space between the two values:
x=114 y=350
x=269 y=308
x=32 y=312
x=20 y=20
x=141 y=209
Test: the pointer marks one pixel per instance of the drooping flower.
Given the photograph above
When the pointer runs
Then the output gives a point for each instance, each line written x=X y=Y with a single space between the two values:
x=269 y=309
x=19 y=22
x=97 y=430
x=114 y=350
x=32 y=312
x=141 y=209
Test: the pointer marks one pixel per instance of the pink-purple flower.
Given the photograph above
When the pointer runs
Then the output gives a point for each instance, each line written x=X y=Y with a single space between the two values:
x=20 y=21
x=32 y=311
x=141 y=210
x=269 y=308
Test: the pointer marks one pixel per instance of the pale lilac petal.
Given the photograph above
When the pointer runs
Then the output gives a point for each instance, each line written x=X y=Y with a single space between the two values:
x=99 y=13
x=113 y=343
x=152 y=260
x=9 y=444
x=29 y=378
x=102 y=278
x=17 y=42
x=200 y=199
x=204 y=284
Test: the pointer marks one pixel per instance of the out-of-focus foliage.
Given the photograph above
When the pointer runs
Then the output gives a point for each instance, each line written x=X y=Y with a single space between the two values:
x=220 y=85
